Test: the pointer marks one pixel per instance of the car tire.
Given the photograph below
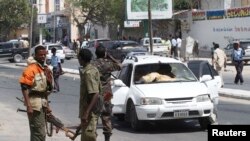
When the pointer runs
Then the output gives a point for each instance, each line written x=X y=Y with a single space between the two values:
x=212 y=119
x=62 y=60
x=17 y=58
x=204 y=122
x=134 y=122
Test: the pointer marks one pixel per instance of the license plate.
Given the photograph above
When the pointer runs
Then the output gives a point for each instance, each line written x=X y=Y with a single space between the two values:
x=181 y=113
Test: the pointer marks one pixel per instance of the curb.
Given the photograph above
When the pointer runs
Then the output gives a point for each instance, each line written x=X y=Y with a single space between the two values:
x=233 y=93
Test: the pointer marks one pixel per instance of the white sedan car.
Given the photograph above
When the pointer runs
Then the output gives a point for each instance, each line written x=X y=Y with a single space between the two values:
x=59 y=51
x=180 y=96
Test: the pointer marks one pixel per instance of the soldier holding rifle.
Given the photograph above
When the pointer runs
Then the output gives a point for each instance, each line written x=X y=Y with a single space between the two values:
x=36 y=84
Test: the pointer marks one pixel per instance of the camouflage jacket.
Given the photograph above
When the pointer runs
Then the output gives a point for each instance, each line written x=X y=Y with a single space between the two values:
x=105 y=67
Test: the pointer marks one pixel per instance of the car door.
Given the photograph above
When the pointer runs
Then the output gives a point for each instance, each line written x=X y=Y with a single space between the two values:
x=201 y=68
x=120 y=92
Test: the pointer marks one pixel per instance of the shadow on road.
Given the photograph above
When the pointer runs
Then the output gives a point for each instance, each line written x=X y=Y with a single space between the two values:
x=172 y=126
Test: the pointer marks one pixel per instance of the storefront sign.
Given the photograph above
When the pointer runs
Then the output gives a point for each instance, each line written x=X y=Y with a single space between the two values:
x=238 y=12
x=198 y=15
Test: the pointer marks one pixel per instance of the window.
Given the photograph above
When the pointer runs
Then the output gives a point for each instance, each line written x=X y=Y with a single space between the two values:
x=125 y=74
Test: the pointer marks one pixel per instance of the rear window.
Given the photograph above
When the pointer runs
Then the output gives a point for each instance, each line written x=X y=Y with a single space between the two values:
x=245 y=45
x=6 y=45
x=58 y=47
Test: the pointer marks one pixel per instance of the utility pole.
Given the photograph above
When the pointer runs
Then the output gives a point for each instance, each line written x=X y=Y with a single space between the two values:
x=40 y=30
x=31 y=27
x=150 y=27
x=54 y=26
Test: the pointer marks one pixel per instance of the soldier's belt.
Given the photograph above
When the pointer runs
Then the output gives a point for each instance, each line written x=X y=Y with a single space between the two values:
x=38 y=94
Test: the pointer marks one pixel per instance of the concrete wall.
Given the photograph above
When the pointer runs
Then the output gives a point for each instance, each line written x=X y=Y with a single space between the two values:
x=220 y=31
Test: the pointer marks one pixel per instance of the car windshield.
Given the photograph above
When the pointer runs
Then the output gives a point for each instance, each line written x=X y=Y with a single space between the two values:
x=162 y=73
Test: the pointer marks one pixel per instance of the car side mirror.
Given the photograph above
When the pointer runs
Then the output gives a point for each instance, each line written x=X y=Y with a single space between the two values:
x=205 y=78
x=118 y=83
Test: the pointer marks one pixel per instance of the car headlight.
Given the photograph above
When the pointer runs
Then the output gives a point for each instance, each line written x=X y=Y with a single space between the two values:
x=202 y=98
x=151 y=101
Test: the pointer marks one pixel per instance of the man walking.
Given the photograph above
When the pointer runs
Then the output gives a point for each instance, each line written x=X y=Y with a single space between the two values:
x=90 y=89
x=219 y=61
x=57 y=69
x=237 y=56
x=106 y=64
x=36 y=82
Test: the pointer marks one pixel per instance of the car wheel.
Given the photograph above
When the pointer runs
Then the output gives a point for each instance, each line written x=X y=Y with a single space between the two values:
x=18 y=58
x=134 y=122
x=204 y=122
x=212 y=119
x=62 y=60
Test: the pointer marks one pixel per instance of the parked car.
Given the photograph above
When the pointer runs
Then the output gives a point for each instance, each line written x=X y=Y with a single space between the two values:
x=12 y=52
x=183 y=97
x=120 y=49
x=59 y=51
x=69 y=53
x=92 y=44
x=158 y=47
x=244 y=44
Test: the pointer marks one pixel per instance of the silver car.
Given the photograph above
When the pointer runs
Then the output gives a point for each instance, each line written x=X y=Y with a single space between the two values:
x=244 y=44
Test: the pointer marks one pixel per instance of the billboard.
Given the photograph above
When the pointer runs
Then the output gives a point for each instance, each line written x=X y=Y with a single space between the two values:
x=138 y=9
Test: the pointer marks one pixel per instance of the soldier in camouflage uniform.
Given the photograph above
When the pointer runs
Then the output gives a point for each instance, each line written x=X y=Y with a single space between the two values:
x=106 y=64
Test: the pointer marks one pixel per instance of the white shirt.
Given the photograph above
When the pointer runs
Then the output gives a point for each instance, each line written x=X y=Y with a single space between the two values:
x=179 y=42
x=174 y=43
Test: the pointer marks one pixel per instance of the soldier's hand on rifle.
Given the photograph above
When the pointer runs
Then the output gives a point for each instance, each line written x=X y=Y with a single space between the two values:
x=48 y=110
x=29 y=111
x=84 y=119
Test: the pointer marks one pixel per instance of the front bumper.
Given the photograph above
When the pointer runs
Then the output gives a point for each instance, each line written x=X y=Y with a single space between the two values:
x=174 y=111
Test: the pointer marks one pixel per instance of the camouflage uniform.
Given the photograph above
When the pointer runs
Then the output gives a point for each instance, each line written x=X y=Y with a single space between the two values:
x=105 y=67
x=90 y=83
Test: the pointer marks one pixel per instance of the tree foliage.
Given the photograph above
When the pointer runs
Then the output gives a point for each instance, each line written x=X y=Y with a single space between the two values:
x=13 y=13
x=186 y=4
x=96 y=12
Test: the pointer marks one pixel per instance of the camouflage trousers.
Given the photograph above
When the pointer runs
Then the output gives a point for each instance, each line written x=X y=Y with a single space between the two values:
x=89 y=133
x=37 y=126
x=106 y=118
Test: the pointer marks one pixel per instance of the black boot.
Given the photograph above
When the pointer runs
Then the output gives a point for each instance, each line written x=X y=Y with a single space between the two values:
x=107 y=137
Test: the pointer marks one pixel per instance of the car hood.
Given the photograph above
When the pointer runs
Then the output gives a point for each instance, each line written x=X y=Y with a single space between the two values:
x=172 y=90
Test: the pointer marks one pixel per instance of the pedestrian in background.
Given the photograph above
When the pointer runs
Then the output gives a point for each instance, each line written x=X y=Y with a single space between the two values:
x=106 y=64
x=219 y=61
x=57 y=69
x=178 y=42
x=167 y=43
x=237 y=57
x=90 y=91
x=173 y=47
x=35 y=87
